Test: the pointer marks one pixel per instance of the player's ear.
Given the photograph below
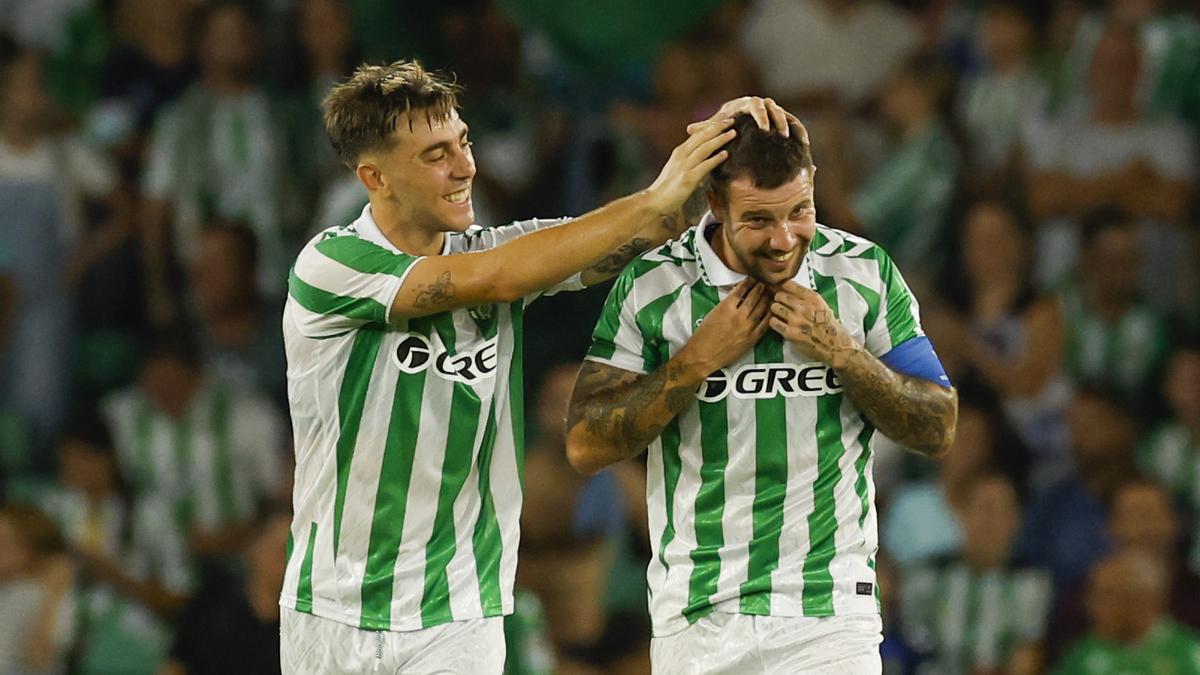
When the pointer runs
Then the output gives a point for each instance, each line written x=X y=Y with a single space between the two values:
x=717 y=205
x=370 y=176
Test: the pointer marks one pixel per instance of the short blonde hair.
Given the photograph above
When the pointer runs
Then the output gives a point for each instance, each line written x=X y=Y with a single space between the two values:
x=361 y=113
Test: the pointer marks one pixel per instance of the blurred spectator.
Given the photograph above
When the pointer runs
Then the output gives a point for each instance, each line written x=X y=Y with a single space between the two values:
x=994 y=101
x=1171 y=453
x=902 y=204
x=37 y=621
x=568 y=526
x=211 y=452
x=527 y=647
x=1169 y=83
x=922 y=521
x=817 y=52
x=46 y=181
x=327 y=55
x=151 y=64
x=241 y=615
x=1066 y=529
x=1114 y=338
x=1142 y=520
x=979 y=612
x=216 y=153
x=240 y=335
x=134 y=570
x=1131 y=633
x=1009 y=336
x=1113 y=155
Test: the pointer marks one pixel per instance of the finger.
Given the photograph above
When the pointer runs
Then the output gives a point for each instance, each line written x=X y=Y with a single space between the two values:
x=758 y=110
x=759 y=297
x=761 y=325
x=706 y=149
x=778 y=116
x=794 y=288
x=742 y=290
x=788 y=300
x=705 y=131
x=780 y=326
x=761 y=311
x=705 y=167
x=781 y=310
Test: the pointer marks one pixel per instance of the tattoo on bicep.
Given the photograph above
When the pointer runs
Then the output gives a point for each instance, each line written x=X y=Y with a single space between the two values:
x=437 y=294
x=616 y=261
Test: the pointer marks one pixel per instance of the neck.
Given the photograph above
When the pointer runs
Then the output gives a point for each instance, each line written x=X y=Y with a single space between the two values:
x=17 y=135
x=1010 y=67
x=412 y=240
x=720 y=246
x=982 y=560
x=915 y=126
x=1103 y=479
x=1109 y=306
x=227 y=84
x=233 y=327
x=1115 y=114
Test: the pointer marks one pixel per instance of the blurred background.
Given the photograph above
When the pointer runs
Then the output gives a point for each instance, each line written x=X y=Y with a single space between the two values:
x=1031 y=166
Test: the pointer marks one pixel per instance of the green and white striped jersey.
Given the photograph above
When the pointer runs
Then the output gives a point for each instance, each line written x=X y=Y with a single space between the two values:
x=969 y=621
x=213 y=466
x=408 y=436
x=1127 y=355
x=1171 y=456
x=760 y=493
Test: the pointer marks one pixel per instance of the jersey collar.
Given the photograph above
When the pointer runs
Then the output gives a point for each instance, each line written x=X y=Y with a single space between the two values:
x=368 y=229
x=718 y=274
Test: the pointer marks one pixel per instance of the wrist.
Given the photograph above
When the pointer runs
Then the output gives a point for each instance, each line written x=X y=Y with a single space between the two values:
x=689 y=366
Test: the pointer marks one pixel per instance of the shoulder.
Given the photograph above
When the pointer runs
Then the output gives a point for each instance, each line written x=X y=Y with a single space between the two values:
x=839 y=253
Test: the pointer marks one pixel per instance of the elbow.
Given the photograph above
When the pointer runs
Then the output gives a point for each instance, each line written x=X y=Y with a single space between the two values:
x=947 y=427
x=582 y=455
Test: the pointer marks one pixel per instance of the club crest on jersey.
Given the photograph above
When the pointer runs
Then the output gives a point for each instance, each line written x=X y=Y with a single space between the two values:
x=768 y=380
x=480 y=312
x=414 y=353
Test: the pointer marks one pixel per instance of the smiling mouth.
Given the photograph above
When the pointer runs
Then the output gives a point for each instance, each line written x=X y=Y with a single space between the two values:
x=459 y=197
x=783 y=256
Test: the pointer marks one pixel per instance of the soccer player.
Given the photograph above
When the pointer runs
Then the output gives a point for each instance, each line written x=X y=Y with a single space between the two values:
x=403 y=338
x=756 y=356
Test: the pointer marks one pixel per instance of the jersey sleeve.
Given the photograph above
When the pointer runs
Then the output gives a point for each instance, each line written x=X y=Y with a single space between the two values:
x=342 y=282
x=486 y=238
x=617 y=341
x=898 y=319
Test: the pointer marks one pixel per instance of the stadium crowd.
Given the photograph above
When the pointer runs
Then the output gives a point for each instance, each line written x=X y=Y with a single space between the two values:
x=1031 y=167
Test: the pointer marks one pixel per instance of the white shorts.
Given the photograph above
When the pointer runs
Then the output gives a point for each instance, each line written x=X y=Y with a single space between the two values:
x=741 y=644
x=310 y=645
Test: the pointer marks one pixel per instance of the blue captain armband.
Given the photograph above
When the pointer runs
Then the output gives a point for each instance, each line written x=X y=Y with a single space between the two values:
x=915 y=357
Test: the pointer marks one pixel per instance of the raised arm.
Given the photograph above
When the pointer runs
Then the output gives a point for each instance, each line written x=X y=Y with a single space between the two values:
x=917 y=413
x=543 y=258
x=614 y=413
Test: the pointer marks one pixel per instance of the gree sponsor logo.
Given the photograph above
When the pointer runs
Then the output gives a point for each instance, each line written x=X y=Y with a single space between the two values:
x=768 y=380
x=414 y=353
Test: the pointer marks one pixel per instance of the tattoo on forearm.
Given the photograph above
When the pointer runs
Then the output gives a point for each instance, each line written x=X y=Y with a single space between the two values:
x=627 y=409
x=616 y=261
x=913 y=412
x=435 y=295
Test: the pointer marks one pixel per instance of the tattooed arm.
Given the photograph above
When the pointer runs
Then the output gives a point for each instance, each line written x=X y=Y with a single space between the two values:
x=614 y=413
x=541 y=259
x=915 y=413
x=656 y=232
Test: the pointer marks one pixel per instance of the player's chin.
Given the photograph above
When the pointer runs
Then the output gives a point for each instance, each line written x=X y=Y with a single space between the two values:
x=457 y=219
